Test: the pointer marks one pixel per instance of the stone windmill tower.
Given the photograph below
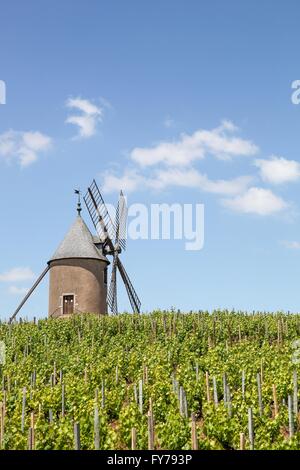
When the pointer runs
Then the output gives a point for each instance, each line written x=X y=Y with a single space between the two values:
x=78 y=273
x=78 y=268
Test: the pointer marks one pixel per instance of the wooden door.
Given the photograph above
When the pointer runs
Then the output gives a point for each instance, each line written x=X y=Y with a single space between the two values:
x=68 y=304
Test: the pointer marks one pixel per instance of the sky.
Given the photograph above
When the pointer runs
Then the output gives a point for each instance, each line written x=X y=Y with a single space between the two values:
x=173 y=102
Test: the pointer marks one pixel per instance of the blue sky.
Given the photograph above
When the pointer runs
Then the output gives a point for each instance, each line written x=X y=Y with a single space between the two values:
x=184 y=99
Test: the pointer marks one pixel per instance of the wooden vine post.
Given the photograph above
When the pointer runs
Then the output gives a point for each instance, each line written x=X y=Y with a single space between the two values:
x=133 y=439
x=275 y=400
x=31 y=437
x=96 y=428
x=141 y=396
x=76 y=436
x=250 y=428
x=295 y=393
x=207 y=387
x=291 y=416
x=259 y=392
x=194 y=432
x=242 y=441
x=23 y=410
x=216 y=401
x=150 y=431
x=2 y=429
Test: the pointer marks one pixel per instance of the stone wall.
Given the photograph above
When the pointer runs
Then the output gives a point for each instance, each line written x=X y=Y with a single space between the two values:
x=84 y=278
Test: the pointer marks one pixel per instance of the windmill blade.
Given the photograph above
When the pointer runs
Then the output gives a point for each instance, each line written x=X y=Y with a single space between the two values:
x=100 y=215
x=120 y=224
x=29 y=294
x=133 y=297
x=112 y=291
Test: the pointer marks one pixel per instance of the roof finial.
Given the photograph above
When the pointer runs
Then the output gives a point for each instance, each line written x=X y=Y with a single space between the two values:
x=78 y=192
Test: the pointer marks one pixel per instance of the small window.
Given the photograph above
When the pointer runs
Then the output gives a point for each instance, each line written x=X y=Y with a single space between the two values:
x=105 y=275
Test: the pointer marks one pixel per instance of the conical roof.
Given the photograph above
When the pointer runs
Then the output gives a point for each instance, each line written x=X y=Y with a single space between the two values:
x=78 y=243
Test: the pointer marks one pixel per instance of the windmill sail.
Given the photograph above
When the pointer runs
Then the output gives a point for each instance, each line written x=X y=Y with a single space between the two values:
x=100 y=215
x=120 y=224
x=133 y=297
x=113 y=236
x=112 y=291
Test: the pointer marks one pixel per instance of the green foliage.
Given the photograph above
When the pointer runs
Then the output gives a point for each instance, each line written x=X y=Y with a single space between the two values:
x=168 y=350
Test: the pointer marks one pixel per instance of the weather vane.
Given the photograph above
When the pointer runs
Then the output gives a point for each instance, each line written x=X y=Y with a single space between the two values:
x=78 y=192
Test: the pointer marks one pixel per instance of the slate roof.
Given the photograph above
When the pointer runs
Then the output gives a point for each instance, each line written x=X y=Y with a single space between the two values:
x=78 y=243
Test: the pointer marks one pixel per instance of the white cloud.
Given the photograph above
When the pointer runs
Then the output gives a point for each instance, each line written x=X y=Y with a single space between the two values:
x=132 y=180
x=278 y=170
x=83 y=105
x=171 y=164
x=23 y=146
x=293 y=245
x=256 y=201
x=14 y=290
x=217 y=142
x=17 y=274
x=232 y=186
x=87 y=121
x=179 y=160
x=191 y=178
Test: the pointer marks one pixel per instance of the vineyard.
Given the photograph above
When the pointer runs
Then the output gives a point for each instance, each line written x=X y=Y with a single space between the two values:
x=166 y=380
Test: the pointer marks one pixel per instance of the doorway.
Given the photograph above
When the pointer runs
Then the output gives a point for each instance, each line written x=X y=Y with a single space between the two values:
x=68 y=304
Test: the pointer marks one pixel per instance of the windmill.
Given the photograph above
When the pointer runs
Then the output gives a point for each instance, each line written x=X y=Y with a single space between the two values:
x=78 y=268
x=112 y=236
